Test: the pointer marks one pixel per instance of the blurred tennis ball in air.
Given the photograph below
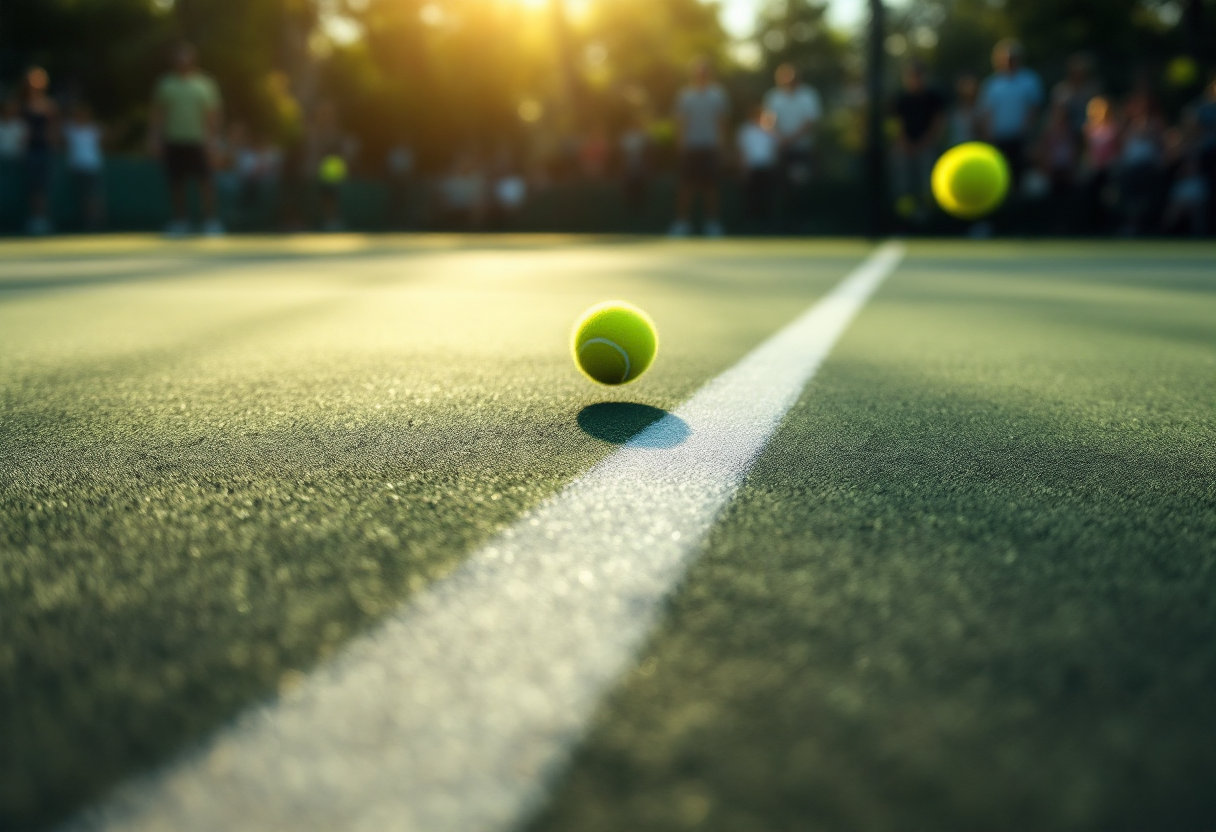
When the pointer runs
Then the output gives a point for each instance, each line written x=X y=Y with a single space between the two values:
x=614 y=342
x=332 y=170
x=906 y=206
x=971 y=180
x=1182 y=71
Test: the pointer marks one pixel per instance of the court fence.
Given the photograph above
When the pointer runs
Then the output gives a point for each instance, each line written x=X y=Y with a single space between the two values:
x=136 y=199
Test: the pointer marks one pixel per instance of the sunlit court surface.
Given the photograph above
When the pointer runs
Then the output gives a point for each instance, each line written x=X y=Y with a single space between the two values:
x=328 y=532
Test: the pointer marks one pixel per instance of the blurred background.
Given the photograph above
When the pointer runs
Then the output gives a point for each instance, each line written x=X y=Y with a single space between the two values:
x=568 y=115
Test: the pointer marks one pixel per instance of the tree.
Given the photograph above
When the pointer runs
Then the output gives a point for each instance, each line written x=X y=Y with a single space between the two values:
x=1129 y=39
x=797 y=32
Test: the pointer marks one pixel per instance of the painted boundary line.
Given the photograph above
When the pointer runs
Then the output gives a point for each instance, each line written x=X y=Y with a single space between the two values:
x=457 y=713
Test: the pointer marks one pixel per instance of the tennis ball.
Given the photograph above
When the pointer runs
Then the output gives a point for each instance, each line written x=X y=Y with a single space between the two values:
x=906 y=206
x=971 y=180
x=1182 y=71
x=332 y=170
x=614 y=342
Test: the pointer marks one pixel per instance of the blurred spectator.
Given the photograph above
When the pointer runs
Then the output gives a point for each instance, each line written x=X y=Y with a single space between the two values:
x=921 y=114
x=238 y=172
x=593 y=154
x=635 y=164
x=41 y=117
x=12 y=131
x=1009 y=104
x=259 y=167
x=700 y=114
x=964 y=122
x=1140 y=162
x=1074 y=92
x=1101 y=153
x=1186 y=208
x=329 y=151
x=796 y=110
x=83 y=139
x=1205 y=121
x=399 y=165
x=758 y=157
x=508 y=189
x=1056 y=160
x=462 y=194
x=185 y=135
x=510 y=195
x=1205 y=114
x=226 y=158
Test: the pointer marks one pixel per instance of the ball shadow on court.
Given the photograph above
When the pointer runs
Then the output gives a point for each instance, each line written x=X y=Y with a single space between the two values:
x=621 y=422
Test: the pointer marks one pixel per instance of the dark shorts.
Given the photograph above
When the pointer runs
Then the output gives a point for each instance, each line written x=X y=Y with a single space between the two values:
x=699 y=166
x=1014 y=151
x=186 y=161
x=38 y=170
x=86 y=182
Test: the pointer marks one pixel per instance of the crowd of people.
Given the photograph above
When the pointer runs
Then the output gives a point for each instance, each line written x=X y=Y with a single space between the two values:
x=1081 y=161
x=774 y=149
x=32 y=128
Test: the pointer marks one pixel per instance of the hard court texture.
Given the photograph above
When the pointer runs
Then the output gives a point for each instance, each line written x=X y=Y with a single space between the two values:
x=970 y=584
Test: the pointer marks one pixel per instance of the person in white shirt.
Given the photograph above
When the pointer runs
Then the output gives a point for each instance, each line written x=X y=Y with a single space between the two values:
x=963 y=123
x=700 y=114
x=82 y=138
x=1009 y=106
x=12 y=131
x=756 y=141
x=796 y=110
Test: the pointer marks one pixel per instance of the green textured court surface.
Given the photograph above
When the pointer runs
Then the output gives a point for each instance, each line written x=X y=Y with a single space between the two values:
x=971 y=583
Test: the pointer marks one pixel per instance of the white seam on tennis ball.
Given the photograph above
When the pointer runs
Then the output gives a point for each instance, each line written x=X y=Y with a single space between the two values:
x=456 y=713
x=612 y=344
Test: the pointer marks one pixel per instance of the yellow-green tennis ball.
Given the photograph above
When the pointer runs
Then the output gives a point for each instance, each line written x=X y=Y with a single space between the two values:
x=332 y=170
x=971 y=180
x=614 y=342
x=1182 y=71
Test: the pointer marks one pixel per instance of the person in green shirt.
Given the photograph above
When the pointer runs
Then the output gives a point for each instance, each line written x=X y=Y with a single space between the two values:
x=186 y=114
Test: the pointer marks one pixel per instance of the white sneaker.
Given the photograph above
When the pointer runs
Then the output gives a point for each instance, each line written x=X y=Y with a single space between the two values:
x=713 y=228
x=177 y=229
x=213 y=228
x=680 y=228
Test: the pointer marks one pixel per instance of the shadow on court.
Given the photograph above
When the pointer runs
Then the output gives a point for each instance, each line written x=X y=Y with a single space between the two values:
x=642 y=425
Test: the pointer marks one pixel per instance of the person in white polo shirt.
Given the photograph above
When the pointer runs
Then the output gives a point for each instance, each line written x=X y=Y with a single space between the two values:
x=1009 y=106
x=700 y=115
x=795 y=109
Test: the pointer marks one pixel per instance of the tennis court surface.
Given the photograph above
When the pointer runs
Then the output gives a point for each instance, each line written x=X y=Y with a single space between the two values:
x=258 y=500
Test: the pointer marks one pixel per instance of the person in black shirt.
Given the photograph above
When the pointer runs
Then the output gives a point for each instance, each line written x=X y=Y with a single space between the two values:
x=921 y=113
x=41 y=128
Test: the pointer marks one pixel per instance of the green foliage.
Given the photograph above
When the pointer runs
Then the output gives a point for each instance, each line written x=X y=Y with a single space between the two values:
x=71 y=38
x=451 y=76
x=797 y=32
x=1129 y=39
x=446 y=83
x=649 y=44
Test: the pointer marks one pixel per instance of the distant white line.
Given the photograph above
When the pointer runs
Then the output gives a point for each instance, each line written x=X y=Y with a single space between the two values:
x=456 y=714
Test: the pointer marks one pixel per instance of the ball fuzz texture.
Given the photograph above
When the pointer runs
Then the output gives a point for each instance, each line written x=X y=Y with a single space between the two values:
x=971 y=180
x=614 y=342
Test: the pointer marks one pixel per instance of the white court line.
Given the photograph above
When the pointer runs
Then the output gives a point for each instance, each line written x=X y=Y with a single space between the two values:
x=457 y=713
